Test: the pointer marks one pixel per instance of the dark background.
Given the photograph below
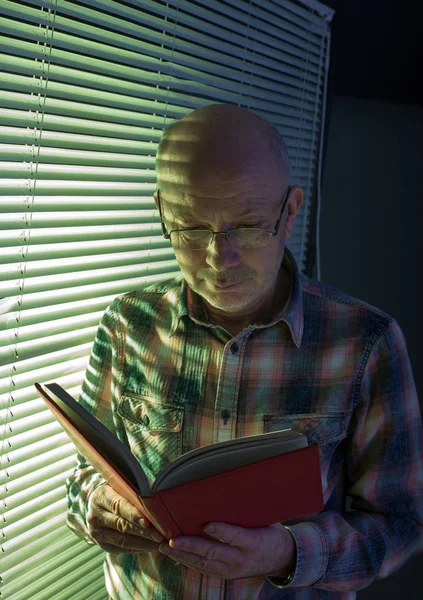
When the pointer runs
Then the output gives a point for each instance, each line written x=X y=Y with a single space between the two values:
x=377 y=49
x=371 y=238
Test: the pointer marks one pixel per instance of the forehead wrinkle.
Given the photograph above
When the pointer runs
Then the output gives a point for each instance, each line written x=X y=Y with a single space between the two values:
x=185 y=212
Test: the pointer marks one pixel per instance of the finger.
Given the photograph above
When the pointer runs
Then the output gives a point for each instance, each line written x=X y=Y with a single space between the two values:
x=111 y=521
x=189 y=546
x=124 y=542
x=113 y=502
x=193 y=561
x=233 y=535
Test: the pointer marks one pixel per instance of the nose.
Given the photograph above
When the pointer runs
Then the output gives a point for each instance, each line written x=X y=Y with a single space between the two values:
x=221 y=254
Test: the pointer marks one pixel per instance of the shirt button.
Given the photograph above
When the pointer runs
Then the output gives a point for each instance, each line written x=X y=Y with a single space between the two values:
x=146 y=420
x=234 y=348
x=225 y=414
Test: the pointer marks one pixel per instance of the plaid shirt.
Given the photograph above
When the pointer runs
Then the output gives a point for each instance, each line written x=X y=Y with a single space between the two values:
x=328 y=365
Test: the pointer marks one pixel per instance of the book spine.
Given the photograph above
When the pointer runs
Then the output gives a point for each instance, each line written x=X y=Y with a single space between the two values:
x=160 y=516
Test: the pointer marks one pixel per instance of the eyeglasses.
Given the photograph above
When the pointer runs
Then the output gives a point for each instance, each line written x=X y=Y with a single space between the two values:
x=240 y=237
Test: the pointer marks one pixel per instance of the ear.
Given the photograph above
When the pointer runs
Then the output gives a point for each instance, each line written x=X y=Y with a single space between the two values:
x=156 y=200
x=296 y=198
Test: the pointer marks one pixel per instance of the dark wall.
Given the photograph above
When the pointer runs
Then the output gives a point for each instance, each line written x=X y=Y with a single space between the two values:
x=377 y=49
x=371 y=239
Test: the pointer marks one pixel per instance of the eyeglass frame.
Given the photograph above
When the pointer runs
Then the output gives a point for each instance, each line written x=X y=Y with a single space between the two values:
x=166 y=234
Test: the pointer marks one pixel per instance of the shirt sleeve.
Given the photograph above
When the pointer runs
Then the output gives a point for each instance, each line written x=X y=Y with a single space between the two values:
x=346 y=551
x=96 y=397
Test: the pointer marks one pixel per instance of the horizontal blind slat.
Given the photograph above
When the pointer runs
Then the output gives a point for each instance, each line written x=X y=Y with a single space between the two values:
x=48 y=344
x=63 y=83
x=188 y=75
x=13 y=548
x=109 y=112
x=206 y=24
x=89 y=591
x=31 y=407
x=69 y=203
x=43 y=563
x=71 y=381
x=73 y=369
x=74 y=265
x=133 y=130
x=22 y=443
x=49 y=158
x=40 y=283
x=48 y=298
x=17 y=504
x=96 y=149
x=10 y=255
x=25 y=454
x=81 y=218
x=37 y=315
x=78 y=573
x=51 y=505
x=18 y=485
x=24 y=468
x=74 y=234
x=301 y=22
x=14 y=153
x=19 y=424
x=51 y=139
x=61 y=536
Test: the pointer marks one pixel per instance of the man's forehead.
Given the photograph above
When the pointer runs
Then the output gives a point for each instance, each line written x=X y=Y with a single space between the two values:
x=181 y=209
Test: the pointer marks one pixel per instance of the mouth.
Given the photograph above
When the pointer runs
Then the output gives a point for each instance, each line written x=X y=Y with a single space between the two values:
x=223 y=286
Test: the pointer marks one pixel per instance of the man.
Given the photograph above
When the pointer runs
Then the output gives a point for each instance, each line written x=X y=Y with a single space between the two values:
x=242 y=344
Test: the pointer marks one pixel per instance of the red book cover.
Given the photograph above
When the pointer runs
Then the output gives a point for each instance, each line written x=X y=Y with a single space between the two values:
x=269 y=491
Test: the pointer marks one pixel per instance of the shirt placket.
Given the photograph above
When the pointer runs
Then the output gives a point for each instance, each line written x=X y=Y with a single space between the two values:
x=227 y=392
x=213 y=588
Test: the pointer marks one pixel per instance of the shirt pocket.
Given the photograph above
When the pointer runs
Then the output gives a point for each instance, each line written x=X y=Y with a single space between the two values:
x=325 y=429
x=154 y=430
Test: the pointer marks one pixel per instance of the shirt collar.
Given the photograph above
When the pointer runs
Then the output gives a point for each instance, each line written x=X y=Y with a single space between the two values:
x=187 y=304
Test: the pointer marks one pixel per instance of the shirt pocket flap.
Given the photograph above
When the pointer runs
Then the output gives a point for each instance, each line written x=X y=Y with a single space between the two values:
x=150 y=414
x=318 y=428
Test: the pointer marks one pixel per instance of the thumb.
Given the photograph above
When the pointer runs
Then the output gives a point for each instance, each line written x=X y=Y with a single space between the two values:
x=229 y=534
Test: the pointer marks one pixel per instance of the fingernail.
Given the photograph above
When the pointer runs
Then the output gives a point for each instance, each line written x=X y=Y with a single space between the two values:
x=210 y=529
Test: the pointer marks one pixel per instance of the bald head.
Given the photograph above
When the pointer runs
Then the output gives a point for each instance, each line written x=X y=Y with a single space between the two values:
x=225 y=168
x=221 y=139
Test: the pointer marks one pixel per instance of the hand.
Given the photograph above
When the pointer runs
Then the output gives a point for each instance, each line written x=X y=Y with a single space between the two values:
x=239 y=552
x=114 y=523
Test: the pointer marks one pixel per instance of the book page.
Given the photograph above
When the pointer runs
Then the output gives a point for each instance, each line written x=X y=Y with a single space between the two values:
x=223 y=456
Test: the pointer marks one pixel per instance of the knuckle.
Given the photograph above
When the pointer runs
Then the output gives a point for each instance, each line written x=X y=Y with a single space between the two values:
x=122 y=525
x=121 y=541
x=91 y=518
x=212 y=553
x=94 y=532
x=115 y=504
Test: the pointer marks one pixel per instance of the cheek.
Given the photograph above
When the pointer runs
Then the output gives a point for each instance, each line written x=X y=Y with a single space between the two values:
x=253 y=263
x=190 y=264
x=267 y=262
x=189 y=261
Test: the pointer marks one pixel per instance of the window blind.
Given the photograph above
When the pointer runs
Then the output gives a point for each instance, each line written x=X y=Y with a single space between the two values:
x=87 y=88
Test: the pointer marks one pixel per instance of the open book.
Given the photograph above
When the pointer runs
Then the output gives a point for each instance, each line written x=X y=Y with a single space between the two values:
x=251 y=481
